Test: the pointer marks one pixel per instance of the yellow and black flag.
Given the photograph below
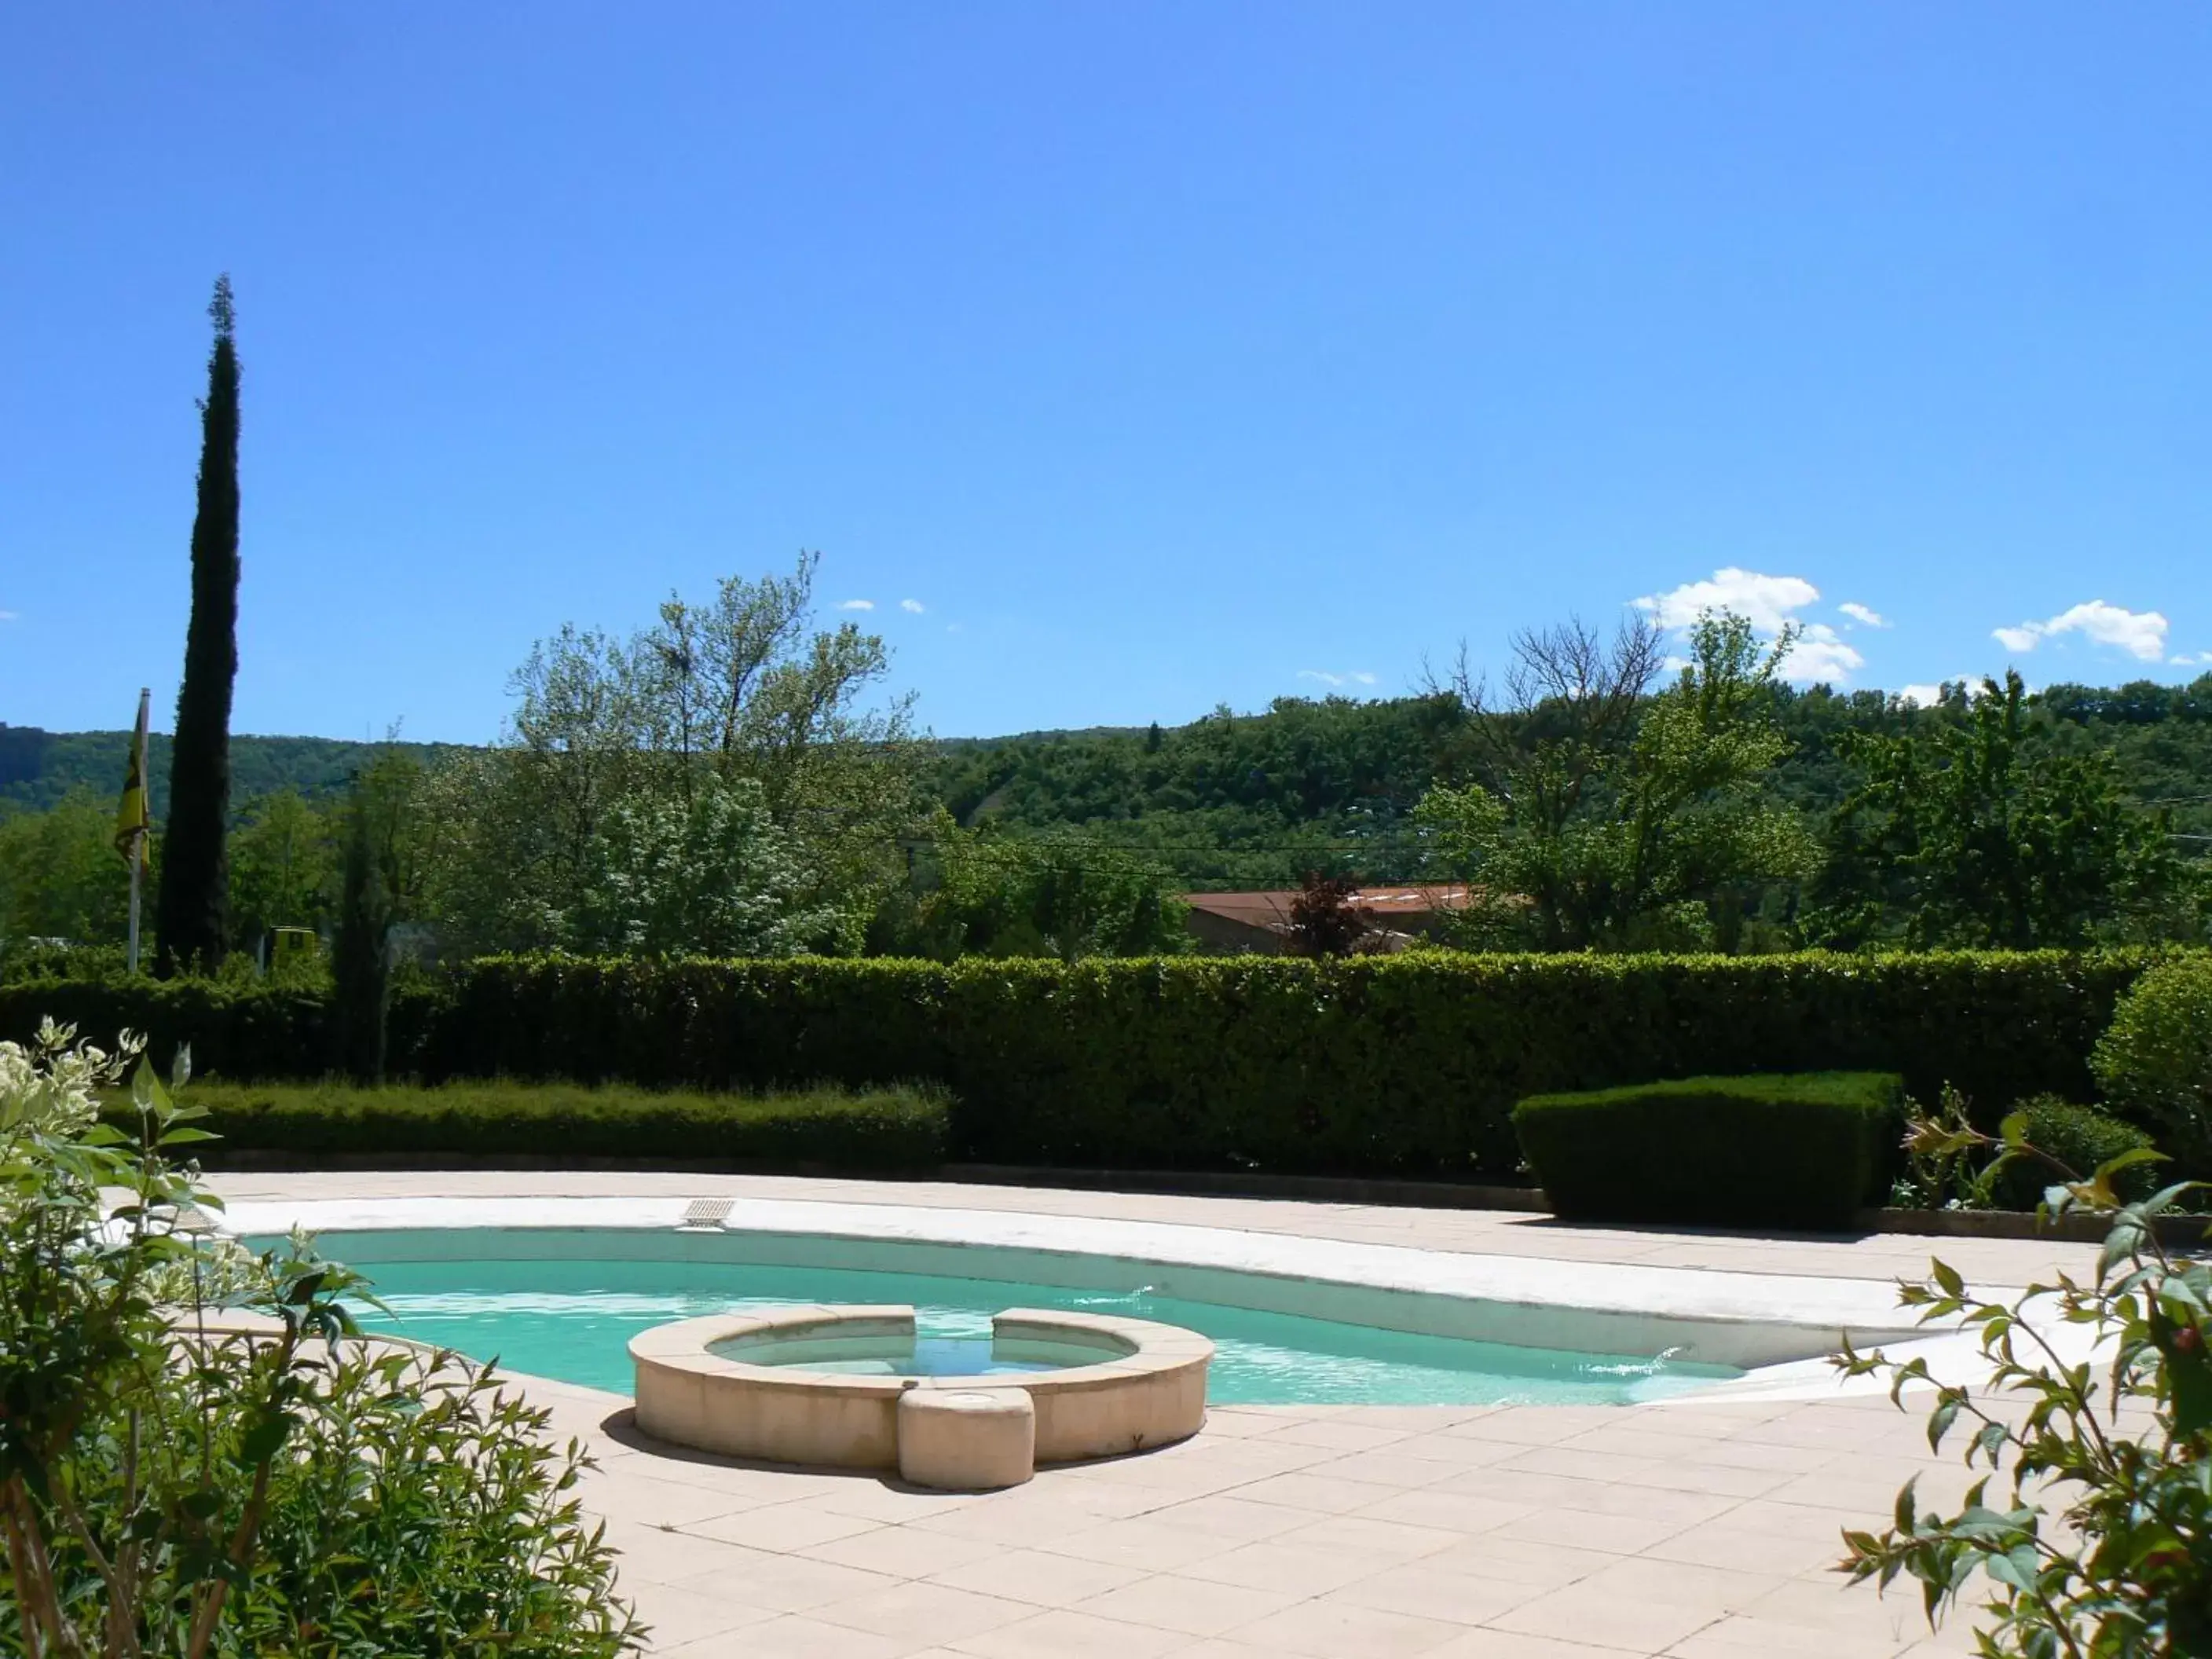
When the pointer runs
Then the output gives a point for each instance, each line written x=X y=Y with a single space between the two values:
x=134 y=818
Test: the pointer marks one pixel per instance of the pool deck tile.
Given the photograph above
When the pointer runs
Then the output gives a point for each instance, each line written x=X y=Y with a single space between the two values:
x=1039 y=1578
x=1682 y=1531
x=1064 y=1633
x=1195 y=1607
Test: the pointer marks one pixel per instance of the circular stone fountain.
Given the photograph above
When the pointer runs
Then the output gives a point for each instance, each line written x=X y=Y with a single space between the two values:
x=824 y=1386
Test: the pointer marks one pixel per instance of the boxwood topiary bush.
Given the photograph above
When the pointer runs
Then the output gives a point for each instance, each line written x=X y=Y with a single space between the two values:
x=1792 y=1150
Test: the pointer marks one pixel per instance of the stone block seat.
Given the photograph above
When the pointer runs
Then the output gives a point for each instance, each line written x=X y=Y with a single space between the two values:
x=966 y=1439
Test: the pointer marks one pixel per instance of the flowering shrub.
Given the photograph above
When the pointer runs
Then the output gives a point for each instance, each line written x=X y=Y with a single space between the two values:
x=200 y=1455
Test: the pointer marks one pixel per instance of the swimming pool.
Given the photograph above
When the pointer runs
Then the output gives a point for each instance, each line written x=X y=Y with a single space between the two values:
x=563 y=1302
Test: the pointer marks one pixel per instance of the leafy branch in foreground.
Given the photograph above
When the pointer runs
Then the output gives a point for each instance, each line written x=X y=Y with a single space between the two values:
x=2096 y=1403
x=200 y=1456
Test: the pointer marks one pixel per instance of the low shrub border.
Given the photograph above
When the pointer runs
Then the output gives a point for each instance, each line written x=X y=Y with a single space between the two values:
x=1807 y=1150
x=898 y=1129
x=1401 y=1067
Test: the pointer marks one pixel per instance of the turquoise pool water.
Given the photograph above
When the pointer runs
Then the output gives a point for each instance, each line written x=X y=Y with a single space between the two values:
x=925 y=1356
x=563 y=1303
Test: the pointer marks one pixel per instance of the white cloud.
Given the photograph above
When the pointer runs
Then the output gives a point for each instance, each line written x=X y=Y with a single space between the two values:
x=2187 y=661
x=1863 y=613
x=1766 y=602
x=914 y=605
x=858 y=605
x=1356 y=677
x=8 y=615
x=1820 y=654
x=2140 y=633
x=1929 y=696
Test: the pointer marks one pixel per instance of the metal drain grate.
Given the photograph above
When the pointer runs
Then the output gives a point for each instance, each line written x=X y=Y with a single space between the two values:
x=707 y=1212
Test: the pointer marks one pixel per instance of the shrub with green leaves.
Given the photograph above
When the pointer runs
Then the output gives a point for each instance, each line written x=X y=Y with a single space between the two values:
x=1944 y=1170
x=1792 y=1150
x=43 y=960
x=2081 y=1138
x=200 y=1455
x=2096 y=1404
x=2155 y=1062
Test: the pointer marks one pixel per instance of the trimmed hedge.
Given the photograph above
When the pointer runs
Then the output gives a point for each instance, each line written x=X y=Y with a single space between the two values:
x=1807 y=1150
x=246 y=1030
x=898 y=1128
x=1405 y=1066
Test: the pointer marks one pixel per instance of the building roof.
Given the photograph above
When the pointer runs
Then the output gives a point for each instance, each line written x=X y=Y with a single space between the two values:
x=1273 y=909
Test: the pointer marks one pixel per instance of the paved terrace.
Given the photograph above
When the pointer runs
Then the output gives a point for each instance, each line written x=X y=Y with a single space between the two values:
x=1695 y=1532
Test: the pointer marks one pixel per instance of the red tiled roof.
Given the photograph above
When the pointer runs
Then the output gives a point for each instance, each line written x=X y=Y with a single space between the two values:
x=1273 y=909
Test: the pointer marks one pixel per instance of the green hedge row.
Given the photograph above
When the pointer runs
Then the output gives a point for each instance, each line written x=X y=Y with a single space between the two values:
x=1387 y=1065
x=1802 y=1150
x=235 y=1029
x=899 y=1129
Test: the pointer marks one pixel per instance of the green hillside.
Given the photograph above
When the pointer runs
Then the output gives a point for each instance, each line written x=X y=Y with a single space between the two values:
x=39 y=767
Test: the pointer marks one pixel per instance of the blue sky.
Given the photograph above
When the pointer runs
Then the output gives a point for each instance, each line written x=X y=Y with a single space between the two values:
x=1128 y=358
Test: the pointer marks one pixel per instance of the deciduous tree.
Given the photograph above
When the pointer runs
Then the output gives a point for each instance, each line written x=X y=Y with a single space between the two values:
x=1983 y=841
x=1001 y=894
x=1602 y=815
x=703 y=873
x=284 y=864
x=739 y=694
x=59 y=876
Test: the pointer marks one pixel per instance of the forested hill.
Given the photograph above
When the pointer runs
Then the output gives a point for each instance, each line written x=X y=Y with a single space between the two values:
x=39 y=767
x=1255 y=800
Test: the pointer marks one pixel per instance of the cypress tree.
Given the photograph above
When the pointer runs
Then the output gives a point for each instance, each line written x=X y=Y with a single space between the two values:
x=191 y=912
x=360 y=957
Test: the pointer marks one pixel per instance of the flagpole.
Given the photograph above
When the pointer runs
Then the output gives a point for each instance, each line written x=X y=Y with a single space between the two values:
x=137 y=865
x=138 y=841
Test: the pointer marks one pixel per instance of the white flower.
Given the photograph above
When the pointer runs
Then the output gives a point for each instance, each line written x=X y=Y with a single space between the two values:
x=53 y=1085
